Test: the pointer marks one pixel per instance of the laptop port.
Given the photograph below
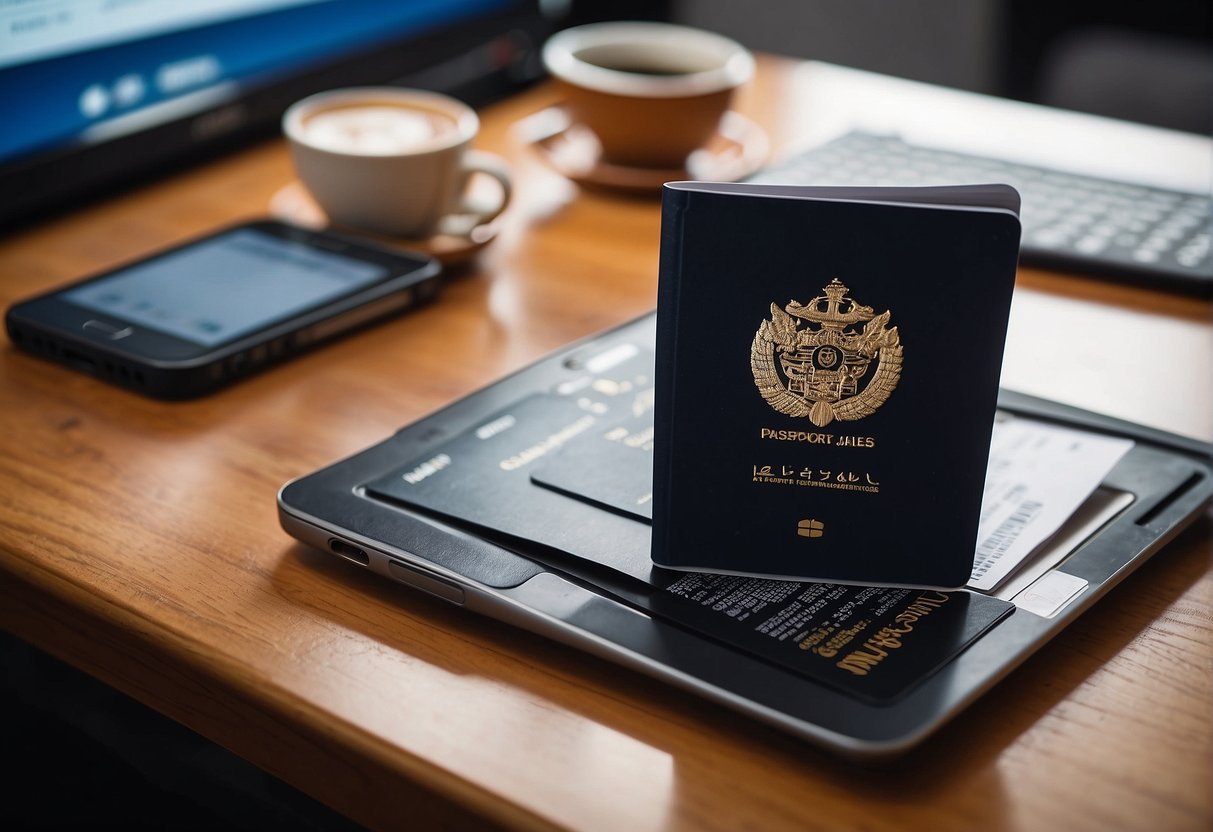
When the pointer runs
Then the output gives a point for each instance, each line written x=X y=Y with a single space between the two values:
x=349 y=551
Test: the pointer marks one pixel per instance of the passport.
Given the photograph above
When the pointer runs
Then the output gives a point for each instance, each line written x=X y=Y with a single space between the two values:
x=827 y=367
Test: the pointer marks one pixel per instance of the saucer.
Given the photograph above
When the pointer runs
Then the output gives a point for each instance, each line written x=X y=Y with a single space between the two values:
x=737 y=150
x=293 y=204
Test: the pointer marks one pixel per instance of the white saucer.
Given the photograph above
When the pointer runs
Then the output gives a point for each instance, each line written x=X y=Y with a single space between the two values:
x=293 y=204
x=738 y=150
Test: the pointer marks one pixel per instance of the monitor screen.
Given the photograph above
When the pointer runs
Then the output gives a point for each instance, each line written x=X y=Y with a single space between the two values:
x=94 y=93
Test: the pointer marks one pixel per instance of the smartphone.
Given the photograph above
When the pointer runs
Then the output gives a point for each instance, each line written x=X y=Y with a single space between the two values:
x=191 y=319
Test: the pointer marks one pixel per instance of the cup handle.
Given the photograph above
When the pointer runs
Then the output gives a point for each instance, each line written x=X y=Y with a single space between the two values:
x=471 y=213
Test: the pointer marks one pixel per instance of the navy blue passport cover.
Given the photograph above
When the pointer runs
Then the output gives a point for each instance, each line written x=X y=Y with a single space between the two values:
x=827 y=373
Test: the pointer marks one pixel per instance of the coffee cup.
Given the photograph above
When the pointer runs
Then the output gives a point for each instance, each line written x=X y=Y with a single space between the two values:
x=394 y=161
x=652 y=93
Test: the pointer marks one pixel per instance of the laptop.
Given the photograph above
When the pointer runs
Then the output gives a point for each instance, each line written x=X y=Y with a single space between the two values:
x=525 y=502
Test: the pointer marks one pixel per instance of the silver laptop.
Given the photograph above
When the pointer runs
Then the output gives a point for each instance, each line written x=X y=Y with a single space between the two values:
x=525 y=502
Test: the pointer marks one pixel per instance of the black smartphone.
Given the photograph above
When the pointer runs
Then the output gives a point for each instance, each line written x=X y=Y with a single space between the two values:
x=191 y=319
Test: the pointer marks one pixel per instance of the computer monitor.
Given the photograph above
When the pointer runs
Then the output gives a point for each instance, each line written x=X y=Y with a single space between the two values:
x=97 y=94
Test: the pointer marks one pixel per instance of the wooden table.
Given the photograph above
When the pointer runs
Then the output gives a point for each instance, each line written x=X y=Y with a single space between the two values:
x=139 y=541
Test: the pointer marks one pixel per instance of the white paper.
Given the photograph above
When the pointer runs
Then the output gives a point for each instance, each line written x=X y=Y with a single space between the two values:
x=1038 y=476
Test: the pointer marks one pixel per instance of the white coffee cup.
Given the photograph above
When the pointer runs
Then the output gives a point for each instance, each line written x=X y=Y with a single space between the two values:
x=393 y=161
x=651 y=92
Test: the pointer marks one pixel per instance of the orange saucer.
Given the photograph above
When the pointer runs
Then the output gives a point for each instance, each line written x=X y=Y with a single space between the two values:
x=737 y=150
x=293 y=204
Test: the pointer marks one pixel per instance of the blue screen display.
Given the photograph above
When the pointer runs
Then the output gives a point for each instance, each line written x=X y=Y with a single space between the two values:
x=83 y=71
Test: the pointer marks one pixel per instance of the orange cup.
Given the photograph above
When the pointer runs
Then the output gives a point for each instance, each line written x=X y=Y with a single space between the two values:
x=651 y=92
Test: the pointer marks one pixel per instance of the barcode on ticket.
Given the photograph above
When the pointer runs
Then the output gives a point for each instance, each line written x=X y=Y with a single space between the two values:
x=997 y=544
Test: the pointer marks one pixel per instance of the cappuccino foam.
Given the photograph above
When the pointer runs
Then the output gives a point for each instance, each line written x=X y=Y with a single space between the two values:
x=376 y=129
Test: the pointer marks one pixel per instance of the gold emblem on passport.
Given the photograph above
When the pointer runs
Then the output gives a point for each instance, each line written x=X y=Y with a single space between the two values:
x=821 y=370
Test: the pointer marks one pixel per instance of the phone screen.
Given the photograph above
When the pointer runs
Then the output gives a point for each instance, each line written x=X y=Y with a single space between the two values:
x=225 y=287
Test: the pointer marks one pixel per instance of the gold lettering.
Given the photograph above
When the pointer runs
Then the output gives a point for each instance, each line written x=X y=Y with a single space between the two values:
x=844 y=637
x=813 y=639
x=870 y=654
x=809 y=437
x=859 y=662
x=885 y=638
